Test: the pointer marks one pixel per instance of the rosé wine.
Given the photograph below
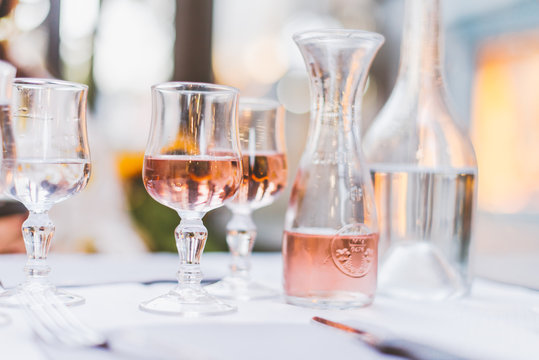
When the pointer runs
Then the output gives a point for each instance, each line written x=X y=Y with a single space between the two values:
x=264 y=177
x=195 y=183
x=330 y=268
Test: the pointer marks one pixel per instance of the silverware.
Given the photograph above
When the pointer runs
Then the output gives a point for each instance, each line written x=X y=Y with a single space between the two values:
x=399 y=347
x=143 y=282
x=52 y=322
x=61 y=334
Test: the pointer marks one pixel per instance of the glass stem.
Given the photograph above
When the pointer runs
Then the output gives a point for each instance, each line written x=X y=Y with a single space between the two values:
x=191 y=237
x=240 y=237
x=37 y=231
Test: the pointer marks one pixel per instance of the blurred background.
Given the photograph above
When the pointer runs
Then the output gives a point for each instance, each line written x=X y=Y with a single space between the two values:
x=122 y=47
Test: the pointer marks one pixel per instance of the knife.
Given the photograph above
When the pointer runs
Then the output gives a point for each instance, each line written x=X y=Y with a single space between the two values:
x=399 y=347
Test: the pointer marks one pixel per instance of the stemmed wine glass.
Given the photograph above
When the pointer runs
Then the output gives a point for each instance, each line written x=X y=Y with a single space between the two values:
x=46 y=159
x=7 y=73
x=192 y=164
x=262 y=140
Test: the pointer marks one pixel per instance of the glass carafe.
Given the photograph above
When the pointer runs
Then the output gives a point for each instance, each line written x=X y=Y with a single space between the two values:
x=424 y=171
x=330 y=240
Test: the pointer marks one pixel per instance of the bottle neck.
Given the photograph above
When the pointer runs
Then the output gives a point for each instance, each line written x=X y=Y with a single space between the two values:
x=420 y=62
x=337 y=63
x=337 y=82
x=337 y=88
x=331 y=135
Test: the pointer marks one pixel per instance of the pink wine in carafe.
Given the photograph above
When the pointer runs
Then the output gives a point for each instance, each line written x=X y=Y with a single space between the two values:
x=331 y=267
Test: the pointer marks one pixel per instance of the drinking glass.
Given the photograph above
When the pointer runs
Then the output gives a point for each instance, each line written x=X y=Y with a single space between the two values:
x=7 y=73
x=262 y=142
x=46 y=160
x=192 y=164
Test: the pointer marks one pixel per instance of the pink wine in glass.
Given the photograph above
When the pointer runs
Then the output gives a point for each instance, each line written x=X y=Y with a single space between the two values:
x=264 y=177
x=195 y=183
x=330 y=268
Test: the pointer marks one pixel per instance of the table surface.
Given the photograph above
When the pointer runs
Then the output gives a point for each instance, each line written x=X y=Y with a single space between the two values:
x=497 y=321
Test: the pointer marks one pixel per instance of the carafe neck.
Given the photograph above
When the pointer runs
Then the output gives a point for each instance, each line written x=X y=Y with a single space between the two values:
x=337 y=63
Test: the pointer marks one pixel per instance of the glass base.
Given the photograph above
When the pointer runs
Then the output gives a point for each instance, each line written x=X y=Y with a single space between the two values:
x=9 y=298
x=240 y=289
x=418 y=271
x=333 y=301
x=188 y=302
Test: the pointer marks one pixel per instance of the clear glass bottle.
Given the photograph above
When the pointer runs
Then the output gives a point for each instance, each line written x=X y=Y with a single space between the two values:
x=330 y=240
x=424 y=172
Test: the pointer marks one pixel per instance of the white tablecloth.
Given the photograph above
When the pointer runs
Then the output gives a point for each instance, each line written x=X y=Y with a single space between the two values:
x=495 y=322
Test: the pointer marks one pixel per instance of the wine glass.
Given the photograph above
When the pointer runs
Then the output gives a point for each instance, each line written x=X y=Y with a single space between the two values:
x=262 y=141
x=7 y=73
x=46 y=160
x=192 y=164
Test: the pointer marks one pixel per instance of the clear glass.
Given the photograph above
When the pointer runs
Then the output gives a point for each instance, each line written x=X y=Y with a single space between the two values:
x=262 y=140
x=46 y=160
x=192 y=164
x=331 y=238
x=424 y=172
x=7 y=74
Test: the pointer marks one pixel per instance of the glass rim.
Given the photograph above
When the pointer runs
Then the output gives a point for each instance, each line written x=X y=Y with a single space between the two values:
x=40 y=83
x=258 y=104
x=189 y=87
x=337 y=34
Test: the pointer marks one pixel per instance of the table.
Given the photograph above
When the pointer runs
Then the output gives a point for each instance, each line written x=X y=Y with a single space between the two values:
x=497 y=321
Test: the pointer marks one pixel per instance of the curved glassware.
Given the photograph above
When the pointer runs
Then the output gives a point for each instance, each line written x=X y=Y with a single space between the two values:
x=46 y=160
x=330 y=243
x=192 y=164
x=7 y=73
x=263 y=147
x=424 y=168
